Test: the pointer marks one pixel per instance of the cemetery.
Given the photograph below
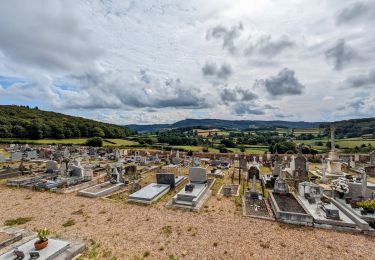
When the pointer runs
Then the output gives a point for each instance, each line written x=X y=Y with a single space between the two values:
x=273 y=187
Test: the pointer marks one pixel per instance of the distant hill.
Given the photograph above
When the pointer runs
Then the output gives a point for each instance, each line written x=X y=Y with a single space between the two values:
x=224 y=124
x=353 y=127
x=32 y=123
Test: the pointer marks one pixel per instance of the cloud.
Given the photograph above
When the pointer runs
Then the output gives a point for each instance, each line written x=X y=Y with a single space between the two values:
x=144 y=76
x=92 y=92
x=237 y=94
x=268 y=47
x=221 y=72
x=283 y=84
x=363 y=80
x=351 y=12
x=46 y=35
x=247 y=108
x=340 y=55
x=226 y=35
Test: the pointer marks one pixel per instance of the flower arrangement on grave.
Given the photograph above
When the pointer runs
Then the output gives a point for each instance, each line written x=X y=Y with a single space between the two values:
x=367 y=205
x=42 y=241
x=341 y=186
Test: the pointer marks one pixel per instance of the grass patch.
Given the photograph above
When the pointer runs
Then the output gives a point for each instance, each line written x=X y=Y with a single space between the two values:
x=17 y=221
x=167 y=230
x=69 y=223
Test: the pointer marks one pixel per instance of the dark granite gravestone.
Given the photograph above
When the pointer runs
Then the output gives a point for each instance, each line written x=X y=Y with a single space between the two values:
x=253 y=171
x=166 y=178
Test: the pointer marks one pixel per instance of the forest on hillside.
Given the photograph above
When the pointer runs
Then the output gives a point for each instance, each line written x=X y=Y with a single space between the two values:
x=32 y=123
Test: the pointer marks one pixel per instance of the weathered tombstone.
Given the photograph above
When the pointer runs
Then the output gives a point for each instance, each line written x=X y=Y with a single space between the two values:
x=281 y=186
x=2 y=159
x=16 y=156
x=51 y=166
x=356 y=157
x=372 y=158
x=370 y=170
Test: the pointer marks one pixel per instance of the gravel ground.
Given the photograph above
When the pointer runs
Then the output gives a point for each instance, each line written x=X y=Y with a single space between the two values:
x=129 y=231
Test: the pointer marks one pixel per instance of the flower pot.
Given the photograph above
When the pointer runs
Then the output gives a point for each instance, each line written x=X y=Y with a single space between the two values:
x=41 y=245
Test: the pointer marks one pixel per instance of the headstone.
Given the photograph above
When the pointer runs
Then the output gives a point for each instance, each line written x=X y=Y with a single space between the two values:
x=372 y=158
x=197 y=175
x=268 y=156
x=32 y=154
x=51 y=166
x=300 y=163
x=166 y=178
x=292 y=165
x=281 y=186
x=243 y=163
x=276 y=171
x=370 y=170
x=356 y=157
x=16 y=156
x=2 y=159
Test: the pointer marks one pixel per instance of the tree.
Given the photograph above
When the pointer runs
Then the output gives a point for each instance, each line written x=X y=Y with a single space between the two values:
x=98 y=132
x=95 y=142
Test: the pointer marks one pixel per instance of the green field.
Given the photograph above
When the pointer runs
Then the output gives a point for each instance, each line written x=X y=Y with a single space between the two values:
x=76 y=141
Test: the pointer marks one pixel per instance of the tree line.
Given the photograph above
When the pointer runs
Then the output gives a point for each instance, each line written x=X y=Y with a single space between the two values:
x=32 y=123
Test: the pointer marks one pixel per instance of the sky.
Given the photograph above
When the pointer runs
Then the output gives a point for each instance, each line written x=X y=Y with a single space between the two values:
x=159 y=61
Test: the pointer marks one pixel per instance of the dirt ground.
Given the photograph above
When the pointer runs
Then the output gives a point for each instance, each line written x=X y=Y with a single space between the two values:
x=118 y=230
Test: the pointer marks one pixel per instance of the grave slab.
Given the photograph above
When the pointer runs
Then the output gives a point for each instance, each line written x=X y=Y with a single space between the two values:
x=150 y=193
x=55 y=248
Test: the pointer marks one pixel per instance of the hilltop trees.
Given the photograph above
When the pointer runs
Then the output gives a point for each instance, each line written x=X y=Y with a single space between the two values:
x=32 y=123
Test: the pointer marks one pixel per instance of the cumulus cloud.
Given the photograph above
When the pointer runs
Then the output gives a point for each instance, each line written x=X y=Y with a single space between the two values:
x=237 y=94
x=220 y=72
x=226 y=35
x=242 y=108
x=92 y=92
x=351 y=12
x=283 y=84
x=268 y=47
x=363 y=80
x=340 y=55
x=46 y=35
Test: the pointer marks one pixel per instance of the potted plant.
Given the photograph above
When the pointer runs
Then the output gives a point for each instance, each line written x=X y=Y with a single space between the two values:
x=42 y=241
x=368 y=205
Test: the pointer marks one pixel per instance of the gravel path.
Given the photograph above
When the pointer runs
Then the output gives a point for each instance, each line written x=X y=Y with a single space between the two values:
x=129 y=231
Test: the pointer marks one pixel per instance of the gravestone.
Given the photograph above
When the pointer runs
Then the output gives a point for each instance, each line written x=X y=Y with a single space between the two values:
x=281 y=186
x=2 y=159
x=356 y=157
x=243 y=163
x=370 y=170
x=300 y=175
x=300 y=163
x=16 y=156
x=166 y=178
x=372 y=158
x=253 y=171
x=32 y=154
x=276 y=171
x=197 y=175
x=51 y=166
